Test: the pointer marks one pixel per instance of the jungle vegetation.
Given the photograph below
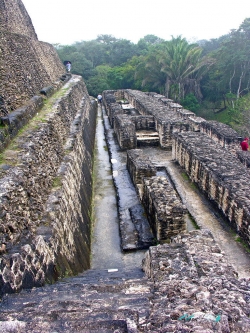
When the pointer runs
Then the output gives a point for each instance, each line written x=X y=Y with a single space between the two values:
x=209 y=77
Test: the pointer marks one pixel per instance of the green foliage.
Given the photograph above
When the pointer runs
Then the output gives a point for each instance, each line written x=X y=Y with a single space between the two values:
x=210 y=77
x=190 y=103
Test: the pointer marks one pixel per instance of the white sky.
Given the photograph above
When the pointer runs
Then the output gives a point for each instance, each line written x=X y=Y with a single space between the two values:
x=65 y=22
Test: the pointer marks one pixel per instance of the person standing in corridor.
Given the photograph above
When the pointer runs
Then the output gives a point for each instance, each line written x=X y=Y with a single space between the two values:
x=99 y=98
x=68 y=66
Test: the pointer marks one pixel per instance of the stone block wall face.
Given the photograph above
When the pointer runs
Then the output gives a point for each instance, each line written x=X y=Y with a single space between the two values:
x=244 y=157
x=192 y=273
x=26 y=65
x=15 y=19
x=217 y=173
x=222 y=134
x=167 y=120
x=119 y=94
x=139 y=166
x=164 y=209
x=125 y=132
x=112 y=107
x=45 y=199
x=144 y=122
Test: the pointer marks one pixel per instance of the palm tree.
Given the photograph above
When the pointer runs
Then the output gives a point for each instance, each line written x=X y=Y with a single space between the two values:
x=184 y=67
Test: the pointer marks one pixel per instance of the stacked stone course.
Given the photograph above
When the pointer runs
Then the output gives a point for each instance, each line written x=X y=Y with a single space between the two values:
x=164 y=208
x=124 y=129
x=217 y=173
x=44 y=230
x=209 y=151
x=222 y=134
x=162 y=204
x=139 y=167
x=26 y=65
x=15 y=19
x=46 y=198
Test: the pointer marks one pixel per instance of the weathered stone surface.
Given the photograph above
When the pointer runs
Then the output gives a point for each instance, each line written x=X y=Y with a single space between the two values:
x=27 y=65
x=222 y=134
x=125 y=132
x=45 y=197
x=244 y=157
x=15 y=19
x=190 y=288
x=195 y=290
x=217 y=173
x=139 y=166
x=164 y=208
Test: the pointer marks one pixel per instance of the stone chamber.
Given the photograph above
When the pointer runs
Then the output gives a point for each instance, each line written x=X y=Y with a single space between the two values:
x=187 y=282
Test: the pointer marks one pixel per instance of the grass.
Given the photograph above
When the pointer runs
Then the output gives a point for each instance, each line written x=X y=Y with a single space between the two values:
x=185 y=176
x=7 y=156
x=57 y=182
x=194 y=224
x=238 y=239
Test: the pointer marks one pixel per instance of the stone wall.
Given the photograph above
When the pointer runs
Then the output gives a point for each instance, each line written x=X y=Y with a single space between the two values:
x=15 y=19
x=46 y=171
x=164 y=208
x=112 y=107
x=46 y=186
x=124 y=129
x=161 y=202
x=143 y=122
x=218 y=173
x=167 y=120
x=139 y=167
x=26 y=65
x=222 y=134
x=194 y=288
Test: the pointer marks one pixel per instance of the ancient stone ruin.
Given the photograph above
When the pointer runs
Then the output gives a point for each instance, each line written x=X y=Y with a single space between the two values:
x=207 y=150
x=46 y=180
x=186 y=283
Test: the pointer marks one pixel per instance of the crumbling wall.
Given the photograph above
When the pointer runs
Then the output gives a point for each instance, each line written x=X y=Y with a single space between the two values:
x=195 y=288
x=161 y=202
x=217 y=173
x=222 y=134
x=139 y=167
x=15 y=19
x=26 y=65
x=124 y=129
x=46 y=188
x=164 y=208
x=143 y=122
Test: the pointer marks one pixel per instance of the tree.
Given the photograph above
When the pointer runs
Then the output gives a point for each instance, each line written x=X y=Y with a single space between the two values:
x=184 y=67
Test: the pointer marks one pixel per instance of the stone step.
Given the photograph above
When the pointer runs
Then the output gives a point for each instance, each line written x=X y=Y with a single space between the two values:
x=147 y=138
x=94 y=301
x=108 y=315
x=68 y=326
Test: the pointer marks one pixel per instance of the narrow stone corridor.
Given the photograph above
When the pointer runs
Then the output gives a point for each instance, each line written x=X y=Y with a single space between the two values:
x=106 y=244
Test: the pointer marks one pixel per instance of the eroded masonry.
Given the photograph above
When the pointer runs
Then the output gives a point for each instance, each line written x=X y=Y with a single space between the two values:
x=45 y=203
x=207 y=150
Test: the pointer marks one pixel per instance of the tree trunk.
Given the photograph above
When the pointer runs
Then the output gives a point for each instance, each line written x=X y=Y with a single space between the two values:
x=230 y=81
x=240 y=80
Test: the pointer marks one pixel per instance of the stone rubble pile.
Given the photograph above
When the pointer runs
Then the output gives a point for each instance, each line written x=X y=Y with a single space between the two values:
x=195 y=290
x=190 y=287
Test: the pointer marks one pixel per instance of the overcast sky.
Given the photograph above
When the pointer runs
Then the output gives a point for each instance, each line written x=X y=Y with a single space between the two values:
x=66 y=22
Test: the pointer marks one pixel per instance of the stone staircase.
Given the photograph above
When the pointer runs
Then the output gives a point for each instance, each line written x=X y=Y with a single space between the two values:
x=95 y=301
x=147 y=138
